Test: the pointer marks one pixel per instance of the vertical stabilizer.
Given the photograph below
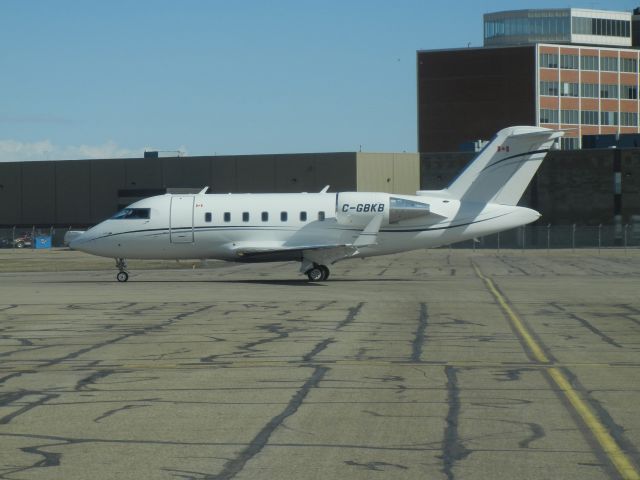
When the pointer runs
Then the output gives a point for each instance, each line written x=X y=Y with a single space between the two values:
x=501 y=172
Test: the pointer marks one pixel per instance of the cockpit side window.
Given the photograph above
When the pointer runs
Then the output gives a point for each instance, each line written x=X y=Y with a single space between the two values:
x=133 y=214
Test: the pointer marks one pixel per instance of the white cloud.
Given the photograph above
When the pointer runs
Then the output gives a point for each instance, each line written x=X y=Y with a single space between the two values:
x=15 y=151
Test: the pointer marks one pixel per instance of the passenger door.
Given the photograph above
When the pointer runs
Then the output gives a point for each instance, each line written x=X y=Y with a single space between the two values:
x=181 y=219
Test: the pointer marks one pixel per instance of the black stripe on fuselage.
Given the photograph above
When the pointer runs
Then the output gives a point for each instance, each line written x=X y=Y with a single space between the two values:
x=531 y=152
x=166 y=231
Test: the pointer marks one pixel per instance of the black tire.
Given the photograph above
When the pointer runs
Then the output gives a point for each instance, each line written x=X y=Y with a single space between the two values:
x=316 y=274
x=325 y=271
x=20 y=245
x=122 y=276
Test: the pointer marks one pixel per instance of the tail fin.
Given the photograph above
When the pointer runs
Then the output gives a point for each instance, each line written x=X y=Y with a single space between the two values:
x=501 y=172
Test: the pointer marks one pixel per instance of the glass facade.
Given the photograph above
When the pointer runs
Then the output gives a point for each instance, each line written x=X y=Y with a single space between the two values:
x=526 y=26
x=557 y=25
x=601 y=26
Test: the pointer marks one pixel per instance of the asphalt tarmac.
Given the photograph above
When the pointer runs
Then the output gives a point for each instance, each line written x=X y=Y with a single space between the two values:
x=440 y=364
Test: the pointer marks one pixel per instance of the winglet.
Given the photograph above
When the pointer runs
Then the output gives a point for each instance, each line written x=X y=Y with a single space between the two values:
x=324 y=190
x=203 y=191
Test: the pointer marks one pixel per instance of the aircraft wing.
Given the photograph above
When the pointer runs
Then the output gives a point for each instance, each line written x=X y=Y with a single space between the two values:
x=259 y=251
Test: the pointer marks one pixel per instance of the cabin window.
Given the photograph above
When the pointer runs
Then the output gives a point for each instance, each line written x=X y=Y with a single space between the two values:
x=283 y=216
x=265 y=216
x=245 y=216
x=321 y=216
x=132 y=214
x=227 y=216
x=207 y=217
x=303 y=216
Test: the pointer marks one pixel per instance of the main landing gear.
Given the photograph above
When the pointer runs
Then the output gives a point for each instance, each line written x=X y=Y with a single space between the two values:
x=121 y=265
x=318 y=273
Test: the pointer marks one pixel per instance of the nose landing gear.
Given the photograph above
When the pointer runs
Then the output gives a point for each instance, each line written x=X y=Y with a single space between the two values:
x=121 y=265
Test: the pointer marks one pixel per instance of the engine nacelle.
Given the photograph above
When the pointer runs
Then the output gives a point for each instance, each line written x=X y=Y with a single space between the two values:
x=359 y=208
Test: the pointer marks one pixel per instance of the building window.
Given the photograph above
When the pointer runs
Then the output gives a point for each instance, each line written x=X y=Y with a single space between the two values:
x=207 y=217
x=321 y=216
x=549 y=88
x=548 y=116
x=303 y=216
x=608 y=91
x=608 y=118
x=569 y=89
x=265 y=216
x=629 y=119
x=589 y=117
x=588 y=62
x=283 y=216
x=601 y=26
x=245 y=216
x=629 y=65
x=569 y=62
x=609 y=64
x=590 y=90
x=569 y=143
x=227 y=216
x=549 y=60
x=629 y=92
x=569 y=116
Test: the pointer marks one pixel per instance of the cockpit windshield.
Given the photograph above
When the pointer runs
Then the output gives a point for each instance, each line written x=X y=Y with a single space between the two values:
x=132 y=214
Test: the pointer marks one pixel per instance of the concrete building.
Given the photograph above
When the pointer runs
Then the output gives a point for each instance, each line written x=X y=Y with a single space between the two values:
x=81 y=193
x=584 y=187
x=574 y=69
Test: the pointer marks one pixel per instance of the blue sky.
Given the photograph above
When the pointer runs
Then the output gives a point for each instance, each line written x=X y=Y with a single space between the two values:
x=91 y=79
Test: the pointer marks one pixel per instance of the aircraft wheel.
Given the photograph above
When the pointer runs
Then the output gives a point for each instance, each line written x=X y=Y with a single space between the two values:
x=325 y=272
x=316 y=274
x=122 y=276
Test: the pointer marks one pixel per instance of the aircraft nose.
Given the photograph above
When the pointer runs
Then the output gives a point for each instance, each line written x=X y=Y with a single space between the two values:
x=82 y=242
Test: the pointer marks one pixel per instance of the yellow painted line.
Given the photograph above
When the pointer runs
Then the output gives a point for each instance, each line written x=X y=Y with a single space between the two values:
x=532 y=345
x=611 y=448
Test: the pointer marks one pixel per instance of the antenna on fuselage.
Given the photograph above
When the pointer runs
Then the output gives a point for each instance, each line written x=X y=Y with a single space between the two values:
x=324 y=190
x=203 y=191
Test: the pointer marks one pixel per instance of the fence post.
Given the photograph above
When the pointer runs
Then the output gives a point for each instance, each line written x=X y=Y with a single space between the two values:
x=523 y=237
x=13 y=237
x=33 y=237
x=625 y=236
x=548 y=236
x=498 y=242
x=573 y=238
x=599 y=237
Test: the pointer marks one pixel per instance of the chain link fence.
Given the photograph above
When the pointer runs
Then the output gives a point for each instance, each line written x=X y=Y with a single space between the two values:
x=559 y=237
x=32 y=237
x=528 y=237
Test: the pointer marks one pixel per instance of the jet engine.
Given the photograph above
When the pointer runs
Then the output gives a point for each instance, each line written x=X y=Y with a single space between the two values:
x=359 y=208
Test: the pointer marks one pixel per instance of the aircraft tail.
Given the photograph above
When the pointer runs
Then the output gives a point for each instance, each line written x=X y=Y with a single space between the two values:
x=501 y=172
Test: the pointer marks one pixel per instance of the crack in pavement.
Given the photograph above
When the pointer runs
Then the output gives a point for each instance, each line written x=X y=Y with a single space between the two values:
x=376 y=466
x=353 y=313
x=108 y=413
x=235 y=466
x=9 y=398
x=84 y=383
x=453 y=449
x=605 y=338
x=317 y=349
x=420 y=335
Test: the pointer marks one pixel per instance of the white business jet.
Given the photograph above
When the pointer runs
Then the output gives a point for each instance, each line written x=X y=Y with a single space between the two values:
x=319 y=229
